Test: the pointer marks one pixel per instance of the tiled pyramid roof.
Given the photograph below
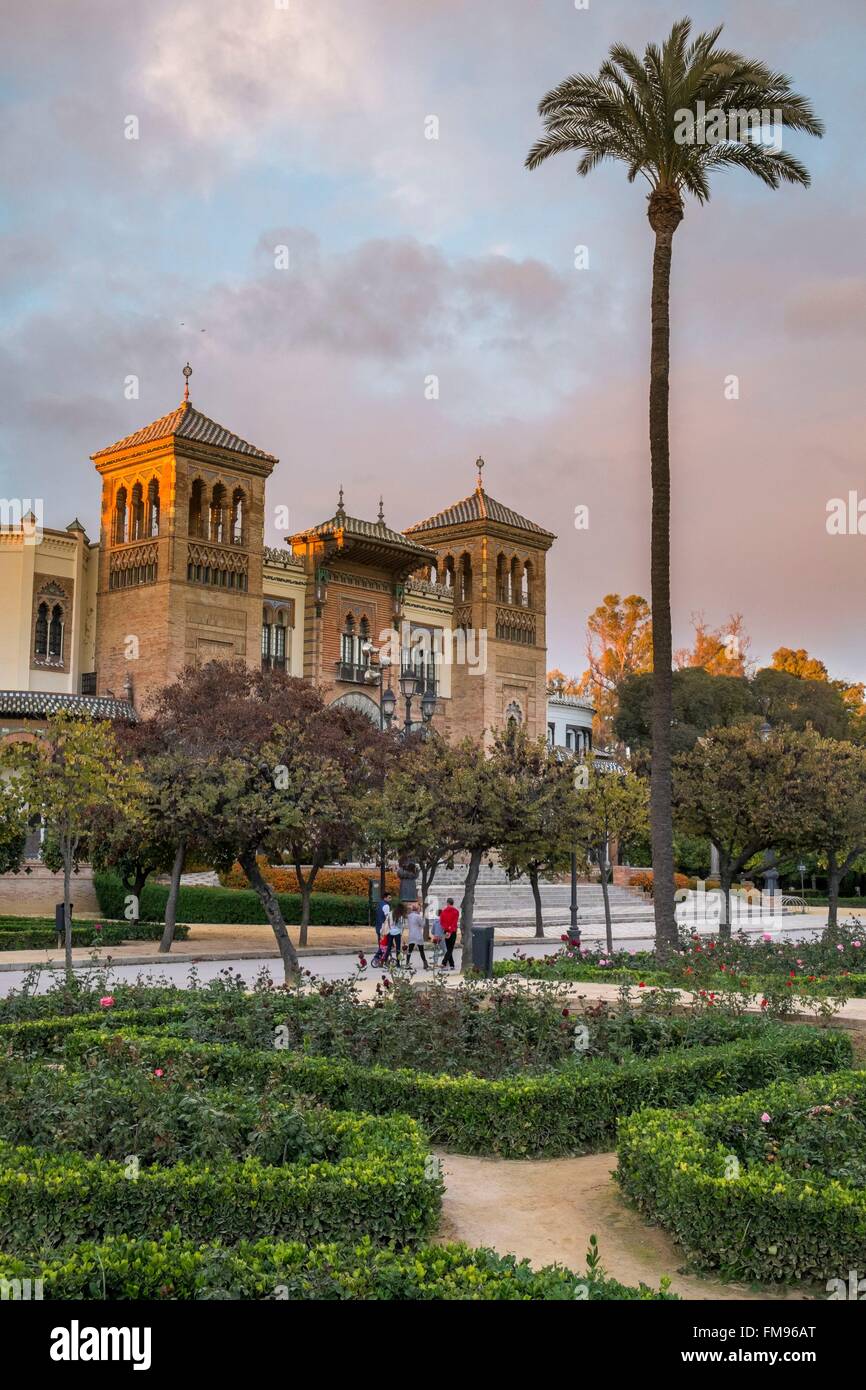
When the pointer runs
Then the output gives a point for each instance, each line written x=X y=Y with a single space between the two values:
x=365 y=530
x=187 y=423
x=478 y=506
x=41 y=704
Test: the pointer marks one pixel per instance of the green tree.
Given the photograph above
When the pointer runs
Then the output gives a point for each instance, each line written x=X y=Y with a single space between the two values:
x=801 y=703
x=742 y=791
x=700 y=702
x=832 y=810
x=535 y=814
x=477 y=797
x=413 y=814
x=13 y=826
x=646 y=113
x=611 y=806
x=71 y=776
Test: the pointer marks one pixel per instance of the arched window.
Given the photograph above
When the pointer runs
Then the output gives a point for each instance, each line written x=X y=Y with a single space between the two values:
x=501 y=579
x=280 y=645
x=40 y=645
x=196 y=503
x=153 y=508
x=218 y=514
x=464 y=587
x=137 y=512
x=55 y=632
x=121 y=520
x=349 y=642
x=514 y=580
x=238 y=509
x=275 y=639
x=513 y=715
x=526 y=585
x=448 y=572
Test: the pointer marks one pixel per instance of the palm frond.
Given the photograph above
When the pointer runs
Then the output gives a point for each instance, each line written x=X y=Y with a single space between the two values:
x=633 y=111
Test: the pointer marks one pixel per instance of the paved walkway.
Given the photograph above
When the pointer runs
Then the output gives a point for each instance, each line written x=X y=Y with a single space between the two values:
x=545 y=1210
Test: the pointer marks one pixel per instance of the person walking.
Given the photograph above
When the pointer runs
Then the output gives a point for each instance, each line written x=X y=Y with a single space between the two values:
x=396 y=921
x=437 y=936
x=449 y=917
x=415 y=924
x=383 y=914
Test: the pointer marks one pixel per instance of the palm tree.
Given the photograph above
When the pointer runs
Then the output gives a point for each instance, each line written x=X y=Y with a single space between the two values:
x=662 y=117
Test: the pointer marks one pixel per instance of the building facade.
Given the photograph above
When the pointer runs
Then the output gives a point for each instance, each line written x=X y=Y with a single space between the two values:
x=180 y=575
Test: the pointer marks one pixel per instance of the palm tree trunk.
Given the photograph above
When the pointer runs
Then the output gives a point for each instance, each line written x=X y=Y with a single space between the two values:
x=665 y=213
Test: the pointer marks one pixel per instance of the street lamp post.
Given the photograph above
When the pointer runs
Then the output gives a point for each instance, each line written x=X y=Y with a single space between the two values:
x=770 y=872
x=374 y=676
x=411 y=685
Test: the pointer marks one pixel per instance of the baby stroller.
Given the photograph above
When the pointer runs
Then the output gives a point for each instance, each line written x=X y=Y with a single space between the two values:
x=379 y=958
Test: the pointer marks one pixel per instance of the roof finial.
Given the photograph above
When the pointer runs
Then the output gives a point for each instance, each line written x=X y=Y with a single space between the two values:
x=340 y=510
x=381 y=511
x=479 y=464
x=187 y=371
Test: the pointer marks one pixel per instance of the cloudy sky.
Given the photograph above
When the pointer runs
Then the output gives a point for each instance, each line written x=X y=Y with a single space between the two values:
x=306 y=127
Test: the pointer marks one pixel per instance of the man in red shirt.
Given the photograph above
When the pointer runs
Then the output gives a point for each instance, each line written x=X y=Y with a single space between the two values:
x=449 y=917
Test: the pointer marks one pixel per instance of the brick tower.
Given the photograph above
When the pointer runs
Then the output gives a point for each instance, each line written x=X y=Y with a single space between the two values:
x=495 y=562
x=180 y=556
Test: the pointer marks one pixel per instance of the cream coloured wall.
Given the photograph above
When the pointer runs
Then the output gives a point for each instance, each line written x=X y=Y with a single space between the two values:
x=281 y=582
x=434 y=613
x=17 y=565
x=66 y=555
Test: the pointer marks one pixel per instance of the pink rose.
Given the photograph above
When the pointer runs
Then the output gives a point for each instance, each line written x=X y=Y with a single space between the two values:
x=855 y=943
x=107 y=1001
x=158 y=1071
x=765 y=1118
x=766 y=936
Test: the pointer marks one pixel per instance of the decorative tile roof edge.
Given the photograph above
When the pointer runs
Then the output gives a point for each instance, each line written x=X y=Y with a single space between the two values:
x=283 y=559
x=41 y=704
x=569 y=701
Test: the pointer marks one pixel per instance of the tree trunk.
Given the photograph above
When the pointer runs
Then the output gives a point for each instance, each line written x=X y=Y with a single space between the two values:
x=608 y=923
x=834 y=878
x=306 y=887
x=138 y=889
x=536 y=893
x=726 y=878
x=67 y=914
x=467 y=910
x=171 y=903
x=270 y=903
x=665 y=213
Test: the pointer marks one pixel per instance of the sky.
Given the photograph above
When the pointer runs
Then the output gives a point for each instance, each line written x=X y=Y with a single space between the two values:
x=306 y=125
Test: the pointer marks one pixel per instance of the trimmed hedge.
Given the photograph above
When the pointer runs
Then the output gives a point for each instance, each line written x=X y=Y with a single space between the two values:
x=228 y=905
x=854 y=984
x=560 y=1112
x=379 y=1186
x=351 y=882
x=760 y=1222
x=174 y=1268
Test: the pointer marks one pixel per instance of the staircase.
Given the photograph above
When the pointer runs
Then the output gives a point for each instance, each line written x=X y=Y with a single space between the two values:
x=511 y=905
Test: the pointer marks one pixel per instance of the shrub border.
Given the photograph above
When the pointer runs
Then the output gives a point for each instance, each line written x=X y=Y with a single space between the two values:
x=762 y=1225
x=558 y=1113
